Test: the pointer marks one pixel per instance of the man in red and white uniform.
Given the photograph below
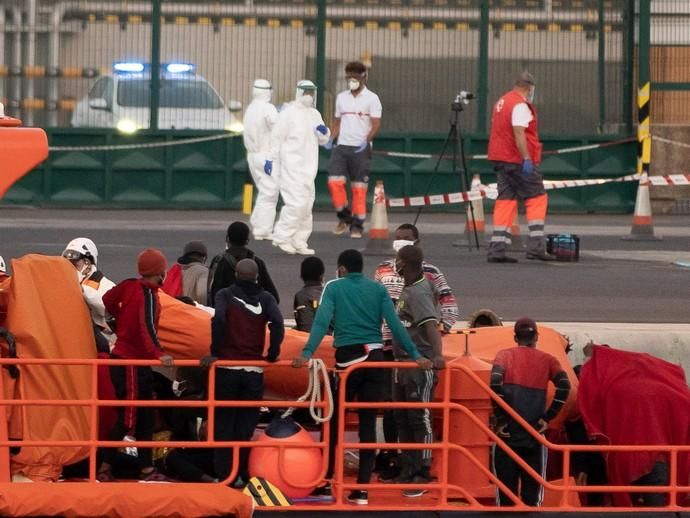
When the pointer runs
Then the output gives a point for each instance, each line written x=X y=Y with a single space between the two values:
x=515 y=150
x=357 y=121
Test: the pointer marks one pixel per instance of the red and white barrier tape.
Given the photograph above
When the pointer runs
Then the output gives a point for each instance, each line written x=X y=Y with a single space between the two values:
x=490 y=191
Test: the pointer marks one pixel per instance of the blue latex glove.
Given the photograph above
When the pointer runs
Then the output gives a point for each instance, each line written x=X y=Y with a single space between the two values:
x=527 y=167
x=322 y=129
x=268 y=167
x=329 y=145
x=364 y=145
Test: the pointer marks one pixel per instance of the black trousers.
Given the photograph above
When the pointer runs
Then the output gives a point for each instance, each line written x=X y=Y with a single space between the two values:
x=132 y=383
x=365 y=386
x=235 y=424
x=512 y=475
x=659 y=476
x=414 y=424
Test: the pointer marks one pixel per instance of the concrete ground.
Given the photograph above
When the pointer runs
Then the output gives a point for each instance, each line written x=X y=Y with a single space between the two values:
x=632 y=294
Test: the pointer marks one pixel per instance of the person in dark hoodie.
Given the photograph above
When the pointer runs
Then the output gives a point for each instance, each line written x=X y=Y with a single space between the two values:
x=307 y=299
x=238 y=332
x=134 y=305
x=222 y=270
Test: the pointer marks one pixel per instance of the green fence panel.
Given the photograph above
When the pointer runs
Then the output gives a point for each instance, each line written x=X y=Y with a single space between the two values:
x=211 y=174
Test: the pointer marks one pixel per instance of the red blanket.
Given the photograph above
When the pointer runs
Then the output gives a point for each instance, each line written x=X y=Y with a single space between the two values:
x=631 y=398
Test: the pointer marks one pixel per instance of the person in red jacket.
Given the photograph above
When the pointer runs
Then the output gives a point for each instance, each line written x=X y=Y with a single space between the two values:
x=515 y=151
x=135 y=307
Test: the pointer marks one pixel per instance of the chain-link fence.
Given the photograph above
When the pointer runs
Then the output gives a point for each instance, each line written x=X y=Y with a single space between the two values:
x=58 y=59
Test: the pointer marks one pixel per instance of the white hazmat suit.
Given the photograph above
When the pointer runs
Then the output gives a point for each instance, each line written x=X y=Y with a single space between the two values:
x=259 y=120
x=295 y=145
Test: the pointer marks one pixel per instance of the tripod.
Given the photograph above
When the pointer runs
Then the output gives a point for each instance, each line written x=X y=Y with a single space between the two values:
x=455 y=138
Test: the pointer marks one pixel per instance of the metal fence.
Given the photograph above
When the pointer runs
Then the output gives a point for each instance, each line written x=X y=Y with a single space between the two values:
x=56 y=59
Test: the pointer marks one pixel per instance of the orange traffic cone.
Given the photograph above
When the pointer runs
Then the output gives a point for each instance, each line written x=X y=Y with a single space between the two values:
x=479 y=220
x=379 y=238
x=477 y=223
x=642 y=228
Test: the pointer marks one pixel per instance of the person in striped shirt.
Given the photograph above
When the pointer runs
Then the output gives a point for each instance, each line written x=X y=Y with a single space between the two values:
x=407 y=234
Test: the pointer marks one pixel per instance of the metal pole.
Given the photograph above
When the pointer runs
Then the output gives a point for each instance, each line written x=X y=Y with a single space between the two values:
x=483 y=68
x=155 y=62
x=602 y=68
x=321 y=53
x=644 y=93
x=629 y=69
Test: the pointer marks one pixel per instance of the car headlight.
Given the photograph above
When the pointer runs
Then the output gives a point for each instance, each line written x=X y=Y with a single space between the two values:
x=127 y=126
x=234 y=127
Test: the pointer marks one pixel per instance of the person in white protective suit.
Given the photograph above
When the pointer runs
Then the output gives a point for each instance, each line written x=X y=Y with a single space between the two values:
x=295 y=145
x=259 y=120
x=83 y=255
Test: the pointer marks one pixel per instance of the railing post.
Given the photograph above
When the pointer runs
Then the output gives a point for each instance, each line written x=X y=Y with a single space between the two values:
x=4 y=450
x=93 y=436
x=602 y=66
x=566 y=478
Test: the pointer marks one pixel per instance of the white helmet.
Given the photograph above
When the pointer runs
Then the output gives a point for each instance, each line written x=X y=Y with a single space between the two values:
x=3 y=266
x=81 y=247
x=305 y=87
x=262 y=89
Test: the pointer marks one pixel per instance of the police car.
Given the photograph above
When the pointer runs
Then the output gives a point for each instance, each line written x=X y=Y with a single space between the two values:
x=122 y=99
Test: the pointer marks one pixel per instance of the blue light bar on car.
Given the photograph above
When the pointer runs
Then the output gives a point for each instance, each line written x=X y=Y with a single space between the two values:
x=125 y=67
x=179 y=68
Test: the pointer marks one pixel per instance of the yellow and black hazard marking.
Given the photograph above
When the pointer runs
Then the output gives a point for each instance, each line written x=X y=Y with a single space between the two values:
x=265 y=494
x=644 y=141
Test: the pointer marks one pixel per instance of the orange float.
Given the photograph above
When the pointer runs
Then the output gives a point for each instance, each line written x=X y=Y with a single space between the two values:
x=301 y=466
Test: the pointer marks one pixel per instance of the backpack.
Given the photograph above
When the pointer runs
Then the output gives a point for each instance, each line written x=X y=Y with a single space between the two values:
x=172 y=285
x=231 y=261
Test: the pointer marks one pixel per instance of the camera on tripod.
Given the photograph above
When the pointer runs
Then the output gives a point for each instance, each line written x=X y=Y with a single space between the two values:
x=463 y=97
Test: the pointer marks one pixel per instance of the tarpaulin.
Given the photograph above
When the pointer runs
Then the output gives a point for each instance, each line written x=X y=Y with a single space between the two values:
x=631 y=398
x=48 y=317
x=123 y=500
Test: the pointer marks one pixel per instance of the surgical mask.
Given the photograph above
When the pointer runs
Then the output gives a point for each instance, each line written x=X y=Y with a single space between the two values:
x=353 y=84
x=400 y=243
x=530 y=96
x=306 y=100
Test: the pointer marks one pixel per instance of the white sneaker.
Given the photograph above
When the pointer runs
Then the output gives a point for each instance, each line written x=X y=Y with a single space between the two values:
x=305 y=251
x=262 y=237
x=285 y=247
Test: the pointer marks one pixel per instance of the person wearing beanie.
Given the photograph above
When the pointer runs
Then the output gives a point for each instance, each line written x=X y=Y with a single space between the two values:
x=135 y=307
x=222 y=268
x=189 y=276
x=520 y=376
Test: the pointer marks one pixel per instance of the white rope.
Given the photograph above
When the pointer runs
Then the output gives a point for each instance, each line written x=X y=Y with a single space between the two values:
x=313 y=393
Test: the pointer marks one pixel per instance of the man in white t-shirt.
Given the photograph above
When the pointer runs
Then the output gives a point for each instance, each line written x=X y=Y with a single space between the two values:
x=515 y=151
x=357 y=121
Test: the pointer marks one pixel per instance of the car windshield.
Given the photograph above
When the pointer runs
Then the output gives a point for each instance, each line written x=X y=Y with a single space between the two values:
x=174 y=93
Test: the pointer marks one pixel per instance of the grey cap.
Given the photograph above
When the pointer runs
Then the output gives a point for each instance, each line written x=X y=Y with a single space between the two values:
x=525 y=79
x=195 y=247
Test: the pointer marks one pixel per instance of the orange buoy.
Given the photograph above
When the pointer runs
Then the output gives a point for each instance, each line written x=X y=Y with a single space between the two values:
x=301 y=466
